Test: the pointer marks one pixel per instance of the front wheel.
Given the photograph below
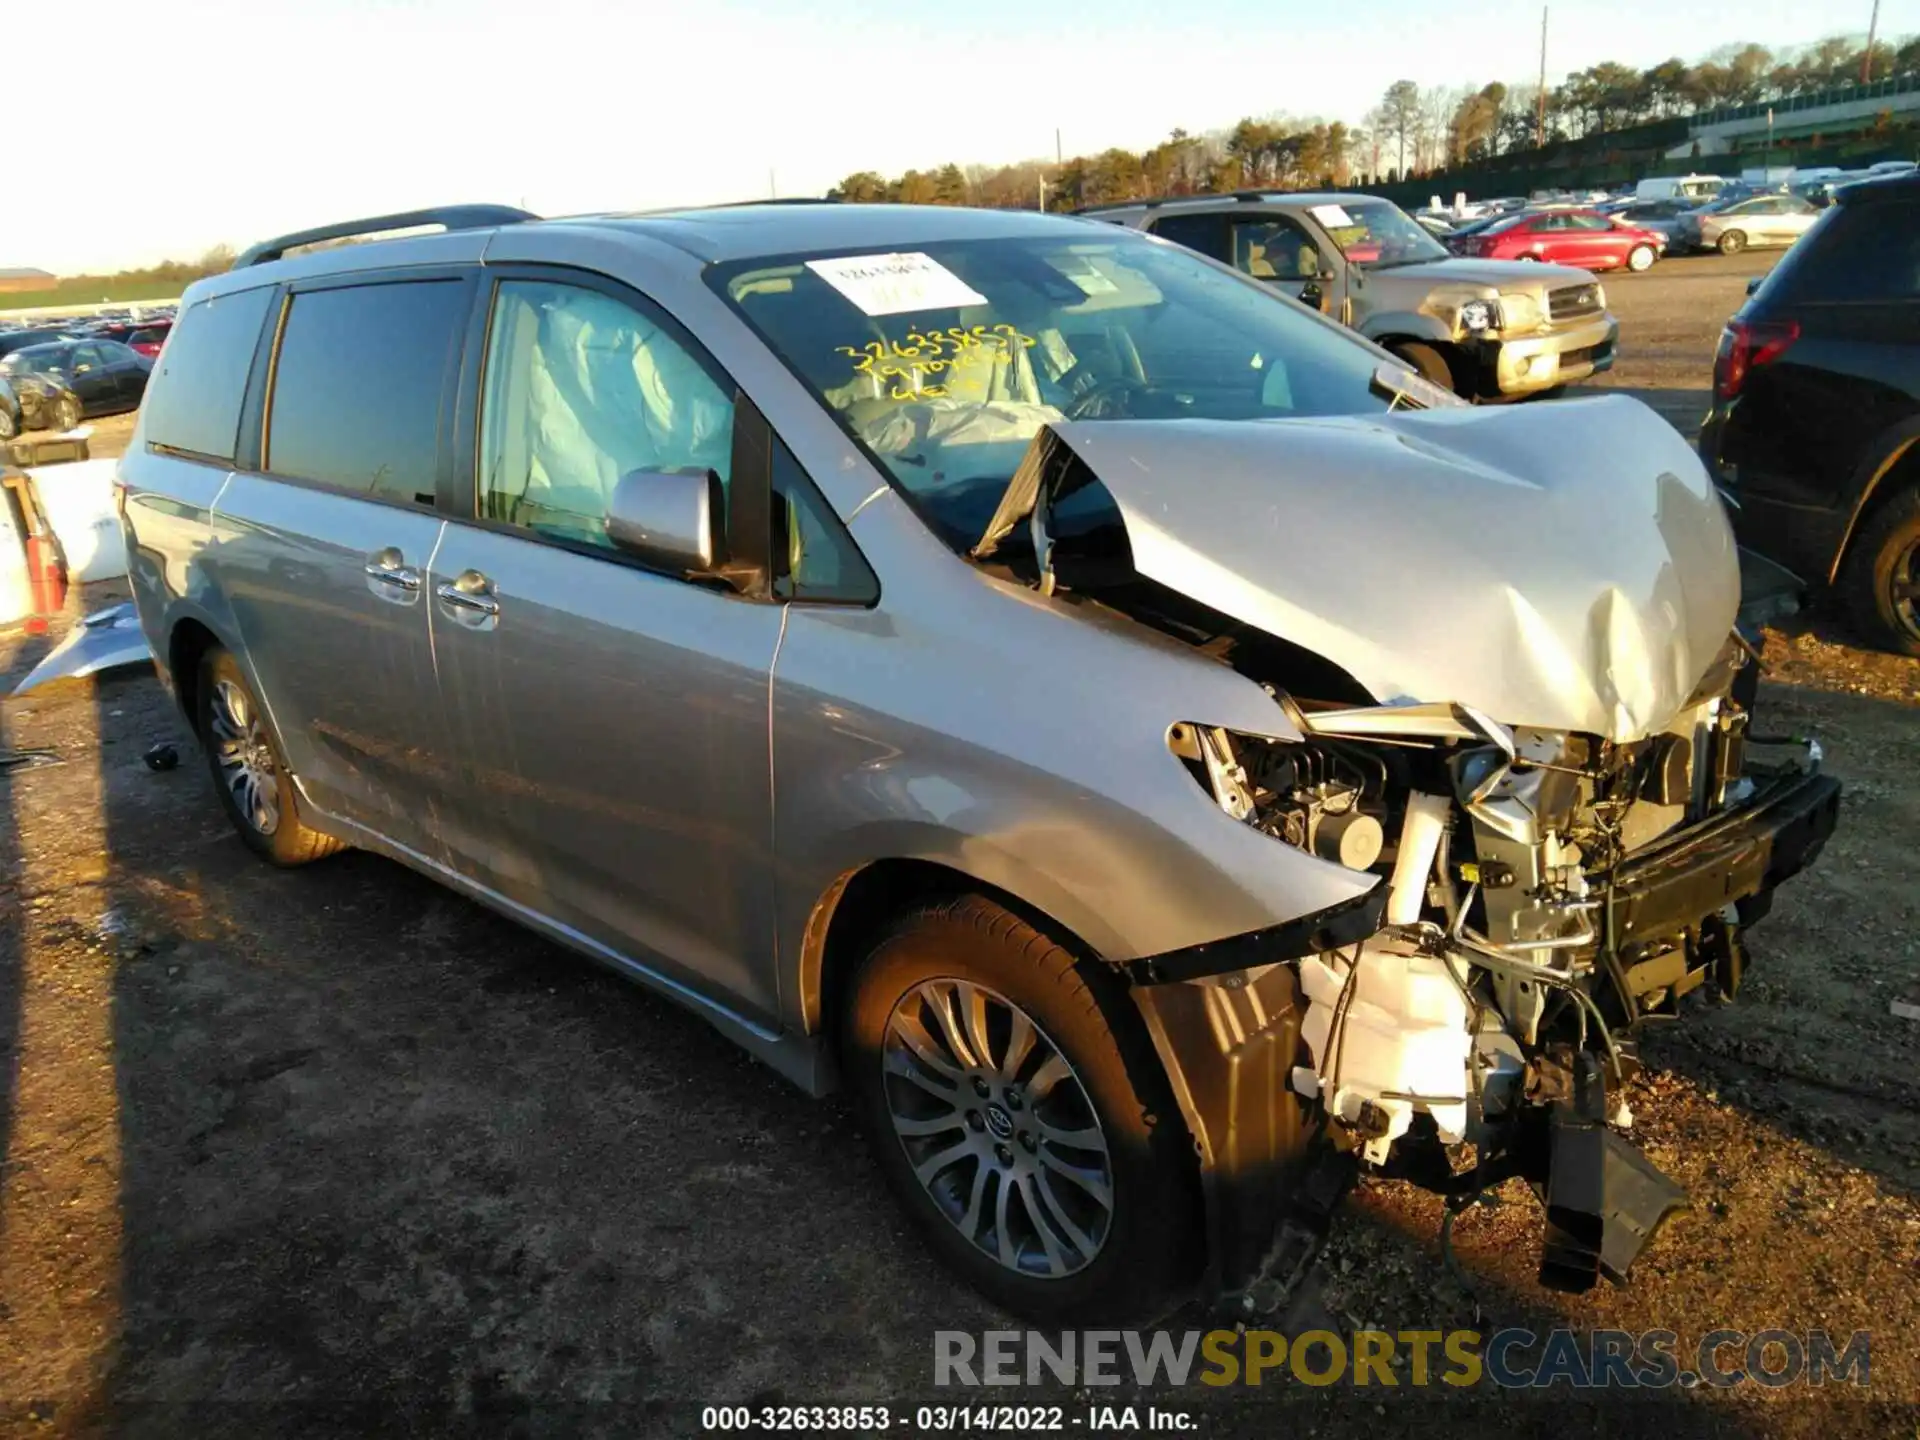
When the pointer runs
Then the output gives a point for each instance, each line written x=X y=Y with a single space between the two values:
x=9 y=427
x=1881 y=583
x=1640 y=258
x=66 y=413
x=255 y=787
x=1733 y=242
x=1021 y=1117
x=1426 y=362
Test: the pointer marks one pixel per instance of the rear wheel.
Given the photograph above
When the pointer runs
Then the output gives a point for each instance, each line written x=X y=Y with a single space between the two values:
x=1881 y=582
x=1733 y=242
x=1021 y=1117
x=256 y=789
x=1640 y=258
x=1427 y=362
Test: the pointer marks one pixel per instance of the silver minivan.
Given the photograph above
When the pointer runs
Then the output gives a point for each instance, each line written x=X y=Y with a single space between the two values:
x=1154 y=751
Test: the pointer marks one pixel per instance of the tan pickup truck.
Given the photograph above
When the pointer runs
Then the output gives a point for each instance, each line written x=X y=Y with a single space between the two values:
x=1486 y=329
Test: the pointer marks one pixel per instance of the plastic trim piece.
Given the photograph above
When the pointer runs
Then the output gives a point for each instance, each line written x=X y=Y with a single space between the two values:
x=1346 y=923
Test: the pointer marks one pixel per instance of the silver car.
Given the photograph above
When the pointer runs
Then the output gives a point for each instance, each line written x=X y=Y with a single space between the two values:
x=1756 y=221
x=1156 y=752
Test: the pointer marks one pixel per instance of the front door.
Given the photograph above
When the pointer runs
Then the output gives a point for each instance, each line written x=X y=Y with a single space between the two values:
x=1278 y=249
x=611 y=721
x=128 y=370
x=325 y=557
x=89 y=378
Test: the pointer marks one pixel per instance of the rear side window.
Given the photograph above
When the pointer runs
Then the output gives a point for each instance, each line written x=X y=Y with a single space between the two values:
x=357 y=386
x=1205 y=233
x=1858 y=253
x=193 y=403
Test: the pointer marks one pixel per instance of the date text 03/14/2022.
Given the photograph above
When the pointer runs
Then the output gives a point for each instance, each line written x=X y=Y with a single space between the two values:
x=946 y=1419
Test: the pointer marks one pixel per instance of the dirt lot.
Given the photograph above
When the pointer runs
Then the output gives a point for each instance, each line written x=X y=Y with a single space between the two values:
x=336 y=1152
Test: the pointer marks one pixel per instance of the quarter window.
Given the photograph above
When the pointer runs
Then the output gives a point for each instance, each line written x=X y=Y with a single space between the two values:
x=193 y=405
x=1204 y=233
x=357 y=387
x=813 y=556
x=581 y=389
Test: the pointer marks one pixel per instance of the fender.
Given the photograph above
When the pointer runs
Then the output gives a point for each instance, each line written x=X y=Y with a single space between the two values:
x=1406 y=325
x=1898 y=443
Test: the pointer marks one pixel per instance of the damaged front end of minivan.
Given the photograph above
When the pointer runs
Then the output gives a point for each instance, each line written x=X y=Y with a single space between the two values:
x=1507 y=681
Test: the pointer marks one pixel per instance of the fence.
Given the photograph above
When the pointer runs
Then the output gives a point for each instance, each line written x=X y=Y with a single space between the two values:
x=1819 y=99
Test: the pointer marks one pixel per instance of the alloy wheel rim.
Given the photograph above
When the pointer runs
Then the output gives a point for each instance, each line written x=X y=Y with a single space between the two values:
x=1903 y=588
x=998 y=1127
x=245 y=759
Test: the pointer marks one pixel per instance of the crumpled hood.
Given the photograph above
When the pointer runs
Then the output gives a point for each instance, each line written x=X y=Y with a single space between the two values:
x=1563 y=565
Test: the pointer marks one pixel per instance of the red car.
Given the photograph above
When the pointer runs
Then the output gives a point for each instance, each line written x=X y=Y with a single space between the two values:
x=146 y=337
x=1585 y=239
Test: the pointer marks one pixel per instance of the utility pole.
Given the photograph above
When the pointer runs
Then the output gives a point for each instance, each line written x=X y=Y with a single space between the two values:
x=1540 y=102
x=1866 y=58
x=773 y=190
x=1767 y=172
x=1059 y=158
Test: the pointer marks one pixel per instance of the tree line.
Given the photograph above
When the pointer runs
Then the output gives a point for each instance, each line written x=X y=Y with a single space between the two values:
x=182 y=272
x=1414 y=131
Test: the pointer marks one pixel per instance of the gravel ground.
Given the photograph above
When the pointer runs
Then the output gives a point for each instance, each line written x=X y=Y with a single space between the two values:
x=336 y=1152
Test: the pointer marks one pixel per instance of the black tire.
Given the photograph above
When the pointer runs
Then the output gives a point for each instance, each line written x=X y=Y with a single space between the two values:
x=1881 y=579
x=1641 y=258
x=1149 y=1250
x=1427 y=362
x=284 y=840
x=9 y=426
x=66 y=414
x=1732 y=243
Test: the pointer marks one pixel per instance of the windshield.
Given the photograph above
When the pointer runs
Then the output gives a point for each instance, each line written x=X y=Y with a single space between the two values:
x=1377 y=235
x=945 y=362
x=33 y=360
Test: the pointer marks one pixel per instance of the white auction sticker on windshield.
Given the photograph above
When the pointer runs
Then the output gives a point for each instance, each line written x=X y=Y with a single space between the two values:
x=1331 y=216
x=896 y=284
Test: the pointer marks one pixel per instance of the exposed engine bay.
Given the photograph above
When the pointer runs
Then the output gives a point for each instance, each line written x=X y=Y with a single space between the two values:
x=1542 y=888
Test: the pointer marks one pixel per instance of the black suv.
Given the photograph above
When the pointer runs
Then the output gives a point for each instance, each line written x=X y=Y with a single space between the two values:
x=1816 y=408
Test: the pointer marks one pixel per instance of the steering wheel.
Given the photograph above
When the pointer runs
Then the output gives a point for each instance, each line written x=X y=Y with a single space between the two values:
x=1097 y=401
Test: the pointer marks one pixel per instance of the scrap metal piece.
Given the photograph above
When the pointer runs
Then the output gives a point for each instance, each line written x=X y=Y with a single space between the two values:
x=1605 y=1200
x=108 y=640
x=11 y=760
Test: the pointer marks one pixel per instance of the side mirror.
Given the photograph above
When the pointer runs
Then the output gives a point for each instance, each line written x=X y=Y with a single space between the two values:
x=1753 y=285
x=669 y=518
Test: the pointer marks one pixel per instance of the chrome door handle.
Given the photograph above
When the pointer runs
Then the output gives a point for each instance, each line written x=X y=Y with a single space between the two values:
x=404 y=576
x=472 y=592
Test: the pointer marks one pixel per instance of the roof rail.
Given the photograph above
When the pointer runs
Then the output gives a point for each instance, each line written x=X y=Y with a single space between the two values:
x=451 y=217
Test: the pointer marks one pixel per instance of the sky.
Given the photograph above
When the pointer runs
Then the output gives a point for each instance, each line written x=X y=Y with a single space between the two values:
x=237 y=121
